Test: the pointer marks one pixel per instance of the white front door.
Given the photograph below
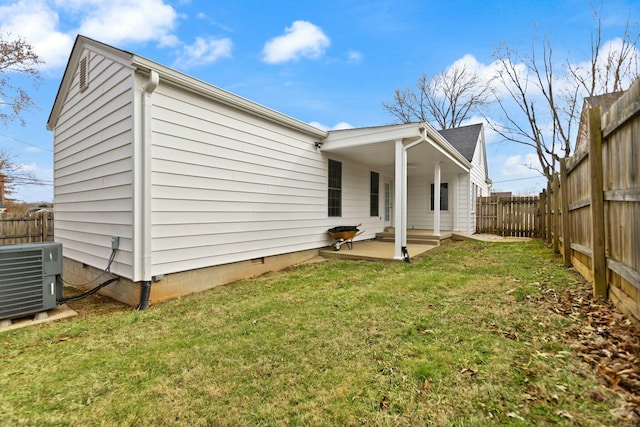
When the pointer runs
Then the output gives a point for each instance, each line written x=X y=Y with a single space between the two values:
x=388 y=205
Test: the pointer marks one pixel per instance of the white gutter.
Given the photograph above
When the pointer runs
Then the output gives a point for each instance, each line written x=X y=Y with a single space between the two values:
x=207 y=90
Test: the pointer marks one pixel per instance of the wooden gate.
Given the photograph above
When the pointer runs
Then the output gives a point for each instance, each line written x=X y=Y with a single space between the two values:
x=513 y=216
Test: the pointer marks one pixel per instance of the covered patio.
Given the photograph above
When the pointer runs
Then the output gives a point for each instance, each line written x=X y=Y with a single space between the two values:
x=410 y=153
x=419 y=242
x=383 y=247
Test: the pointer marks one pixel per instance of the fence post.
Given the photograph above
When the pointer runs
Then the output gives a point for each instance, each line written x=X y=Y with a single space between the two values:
x=499 y=216
x=479 y=220
x=598 y=261
x=556 y=219
x=566 y=224
x=43 y=225
x=549 y=213
x=542 y=220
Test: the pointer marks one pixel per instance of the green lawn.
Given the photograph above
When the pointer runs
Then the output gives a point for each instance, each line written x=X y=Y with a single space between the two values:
x=458 y=337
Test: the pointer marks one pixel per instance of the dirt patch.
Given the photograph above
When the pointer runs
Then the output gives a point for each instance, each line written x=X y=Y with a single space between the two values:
x=496 y=238
x=93 y=305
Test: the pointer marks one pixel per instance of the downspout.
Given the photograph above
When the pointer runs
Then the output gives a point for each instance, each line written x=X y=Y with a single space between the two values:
x=147 y=90
x=403 y=253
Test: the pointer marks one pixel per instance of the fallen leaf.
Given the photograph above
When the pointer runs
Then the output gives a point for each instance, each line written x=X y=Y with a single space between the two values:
x=564 y=414
x=468 y=372
x=514 y=415
x=596 y=395
x=384 y=403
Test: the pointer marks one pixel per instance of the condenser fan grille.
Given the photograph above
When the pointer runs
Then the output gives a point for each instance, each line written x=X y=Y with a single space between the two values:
x=25 y=284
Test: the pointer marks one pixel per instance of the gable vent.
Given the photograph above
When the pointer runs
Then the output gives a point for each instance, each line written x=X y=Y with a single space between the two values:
x=84 y=73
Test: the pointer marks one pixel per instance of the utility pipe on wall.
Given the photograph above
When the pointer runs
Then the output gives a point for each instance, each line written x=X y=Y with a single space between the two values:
x=401 y=194
x=145 y=205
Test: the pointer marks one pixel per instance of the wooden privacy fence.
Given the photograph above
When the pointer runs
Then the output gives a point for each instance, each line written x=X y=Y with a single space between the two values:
x=36 y=227
x=592 y=211
x=514 y=216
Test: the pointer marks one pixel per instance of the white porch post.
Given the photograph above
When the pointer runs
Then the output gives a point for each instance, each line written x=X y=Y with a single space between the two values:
x=400 y=188
x=436 y=199
x=405 y=185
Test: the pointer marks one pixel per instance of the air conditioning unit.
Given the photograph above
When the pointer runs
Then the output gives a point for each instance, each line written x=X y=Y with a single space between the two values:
x=30 y=278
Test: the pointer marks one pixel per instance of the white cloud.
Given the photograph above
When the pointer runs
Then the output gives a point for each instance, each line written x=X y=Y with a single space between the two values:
x=354 y=57
x=36 y=22
x=517 y=165
x=114 y=22
x=337 y=126
x=342 y=125
x=117 y=21
x=487 y=73
x=302 y=39
x=484 y=72
x=608 y=55
x=204 y=51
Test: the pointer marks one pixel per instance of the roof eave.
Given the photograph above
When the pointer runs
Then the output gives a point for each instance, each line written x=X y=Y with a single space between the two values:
x=347 y=138
x=207 y=90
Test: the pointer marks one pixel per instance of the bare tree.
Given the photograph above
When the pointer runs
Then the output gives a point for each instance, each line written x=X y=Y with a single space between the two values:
x=13 y=174
x=547 y=102
x=17 y=57
x=446 y=99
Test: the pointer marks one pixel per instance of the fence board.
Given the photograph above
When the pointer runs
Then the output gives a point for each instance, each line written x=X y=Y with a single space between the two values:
x=37 y=227
x=602 y=186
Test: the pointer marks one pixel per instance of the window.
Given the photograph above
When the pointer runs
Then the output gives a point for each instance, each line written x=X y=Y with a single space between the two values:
x=374 y=194
x=335 y=188
x=444 y=196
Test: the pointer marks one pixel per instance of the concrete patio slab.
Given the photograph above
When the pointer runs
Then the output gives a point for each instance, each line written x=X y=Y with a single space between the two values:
x=374 y=250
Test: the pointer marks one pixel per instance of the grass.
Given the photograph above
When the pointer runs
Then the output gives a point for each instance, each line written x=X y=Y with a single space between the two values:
x=457 y=338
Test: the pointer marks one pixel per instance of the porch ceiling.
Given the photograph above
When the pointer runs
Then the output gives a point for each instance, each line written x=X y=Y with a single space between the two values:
x=380 y=156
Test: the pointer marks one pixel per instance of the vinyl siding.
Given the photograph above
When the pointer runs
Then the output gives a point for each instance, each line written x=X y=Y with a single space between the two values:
x=419 y=213
x=463 y=204
x=93 y=167
x=356 y=179
x=228 y=186
x=478 y=177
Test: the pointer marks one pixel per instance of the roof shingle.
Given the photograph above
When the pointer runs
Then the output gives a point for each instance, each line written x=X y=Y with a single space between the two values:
x=463 y=138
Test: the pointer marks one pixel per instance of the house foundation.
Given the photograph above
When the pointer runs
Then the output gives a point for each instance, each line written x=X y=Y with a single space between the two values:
x=175 y=285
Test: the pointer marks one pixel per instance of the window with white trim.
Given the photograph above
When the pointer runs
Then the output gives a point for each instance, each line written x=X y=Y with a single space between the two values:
x=444 y=196
x=335 y=188
x=374 y=194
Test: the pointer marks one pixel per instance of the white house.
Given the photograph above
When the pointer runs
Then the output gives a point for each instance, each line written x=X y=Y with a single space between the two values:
x=202 y=187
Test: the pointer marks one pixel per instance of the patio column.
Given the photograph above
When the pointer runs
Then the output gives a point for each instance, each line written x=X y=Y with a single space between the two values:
x=400 y=188
x=436 y=199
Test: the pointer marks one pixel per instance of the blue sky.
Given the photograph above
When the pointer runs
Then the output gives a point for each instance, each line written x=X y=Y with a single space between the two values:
x=331 y=63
